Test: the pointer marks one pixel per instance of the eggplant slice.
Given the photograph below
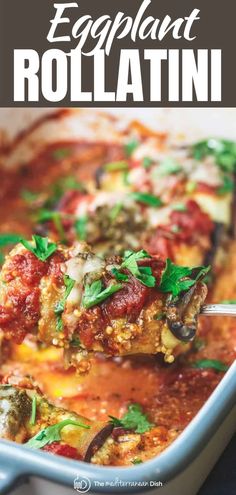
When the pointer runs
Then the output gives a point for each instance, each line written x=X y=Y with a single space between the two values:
x=216 y=240
x=15 y=424
x=182 y=313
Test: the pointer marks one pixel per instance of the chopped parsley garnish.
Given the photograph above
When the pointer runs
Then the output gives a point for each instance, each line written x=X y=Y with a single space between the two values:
x=60 y=187
x=7 y=239
x=33 y=411
x=214 y=364
x=227 y=186
x=131 y=146
x=137 y=461
x=40 y=247
x=29 y=196
x=81 y=227
x=191 y=186
x=60 y=306
x=228 y=301
x=147 y=162
x=198 y=344
x=142 y=273
x=95 y=293
x=70 y=183
x=52 y=434
x=146 y=199
x=168 y=166
x=75 y=342
x=61 y=153
x=222 y=150
x=179 y=207
x=175 y=229
x=159 y=316
x=174 y=279
x=116 y=166
x=134 y=419
x=126 y=177
x=119 y=276
x=45 y=215
x=115 y=211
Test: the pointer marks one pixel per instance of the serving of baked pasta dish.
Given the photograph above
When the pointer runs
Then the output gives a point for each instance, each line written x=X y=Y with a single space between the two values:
x=112 y=238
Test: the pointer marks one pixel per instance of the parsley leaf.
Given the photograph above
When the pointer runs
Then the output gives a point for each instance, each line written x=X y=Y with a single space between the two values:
x=228 y=301
x=71 y=182
x=119 y=276
x=214 y=364
x=145 y=276
x=168 y=166
x=223 y=151
x=60 y=306
x=95 y=294
x=179 y=207
x=126 y=178
x=227 y=186
x=174 y=279
x=61 y=153
x=29 y=196
x=55 y=216
x=137 y=461
x=81 y=227
x=6 y=239
x=131 y=146
x=191 y=186
x=198 y=344
x=175 y=229
x=75 y=342
x=134 y=419
x=131 y=258
x=115 y=211
x=40 y=247
x=116 y=166
x=146 y=199
x=60 y=187
x=142 y=273
x=147 y=162
x=51 y=434
x=33 y=411
x=160 y=316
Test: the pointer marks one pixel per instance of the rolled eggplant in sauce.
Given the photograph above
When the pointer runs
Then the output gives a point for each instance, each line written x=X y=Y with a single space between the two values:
x=113 y=222
x=76 y=300
x=27 y=417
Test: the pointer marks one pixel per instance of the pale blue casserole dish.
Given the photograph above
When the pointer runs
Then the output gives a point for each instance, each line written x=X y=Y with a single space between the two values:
x=179 y=470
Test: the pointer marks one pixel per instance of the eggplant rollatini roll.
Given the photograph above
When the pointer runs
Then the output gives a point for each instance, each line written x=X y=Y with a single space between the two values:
x=74 y=299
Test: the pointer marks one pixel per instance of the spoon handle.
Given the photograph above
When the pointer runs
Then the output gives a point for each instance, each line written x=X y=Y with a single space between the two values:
x=219 y=310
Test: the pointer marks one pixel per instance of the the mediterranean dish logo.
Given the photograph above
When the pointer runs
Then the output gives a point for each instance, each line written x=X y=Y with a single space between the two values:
x=119 y=57
x=83 y=484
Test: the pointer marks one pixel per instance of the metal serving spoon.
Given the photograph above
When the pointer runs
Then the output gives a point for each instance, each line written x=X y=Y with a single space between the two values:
x=218 y=310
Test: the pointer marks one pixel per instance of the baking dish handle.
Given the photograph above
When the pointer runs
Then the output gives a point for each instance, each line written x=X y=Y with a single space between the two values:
x=9 y=479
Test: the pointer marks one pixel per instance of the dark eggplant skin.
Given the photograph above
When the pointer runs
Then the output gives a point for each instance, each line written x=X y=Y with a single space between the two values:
x=15 y=413
x=98 y=441
x=98 y=175
x=182 y=313
x=216 y=240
